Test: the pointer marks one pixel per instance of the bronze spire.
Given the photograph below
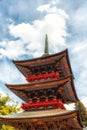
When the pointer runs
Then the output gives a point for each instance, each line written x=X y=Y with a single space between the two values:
x=46 y=50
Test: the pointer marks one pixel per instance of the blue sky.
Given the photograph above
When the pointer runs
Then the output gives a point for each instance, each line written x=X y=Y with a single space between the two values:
x=23 y=25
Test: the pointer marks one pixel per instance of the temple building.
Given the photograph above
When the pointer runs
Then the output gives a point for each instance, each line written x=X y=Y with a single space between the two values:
x=50 y=86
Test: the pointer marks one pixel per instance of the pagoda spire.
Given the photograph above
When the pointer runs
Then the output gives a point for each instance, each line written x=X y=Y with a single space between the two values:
x=46 y=50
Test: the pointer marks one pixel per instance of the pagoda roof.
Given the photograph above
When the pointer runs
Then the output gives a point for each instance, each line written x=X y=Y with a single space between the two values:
x=39 y=85
x=26 y=65
x=21 y=89
x=40 y=58
x=36 y=116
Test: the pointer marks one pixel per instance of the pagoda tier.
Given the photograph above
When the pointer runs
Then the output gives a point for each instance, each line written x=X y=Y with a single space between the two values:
x=54 y=66
x=49 y=120
x=49 y=90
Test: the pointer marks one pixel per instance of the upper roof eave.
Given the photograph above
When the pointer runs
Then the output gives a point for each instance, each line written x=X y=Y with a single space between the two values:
x=61 y=81
x=51 y=55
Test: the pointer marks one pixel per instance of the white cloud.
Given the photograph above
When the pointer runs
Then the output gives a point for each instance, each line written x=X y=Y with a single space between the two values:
x=53 y=24
x=84 y=101
x=9 y=74
x=50 y=7
x=80 y=47
x=11 y=49
x=43 y=8
x=70 y=106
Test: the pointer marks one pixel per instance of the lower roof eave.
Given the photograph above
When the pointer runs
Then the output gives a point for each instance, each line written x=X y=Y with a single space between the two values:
x=56 y=113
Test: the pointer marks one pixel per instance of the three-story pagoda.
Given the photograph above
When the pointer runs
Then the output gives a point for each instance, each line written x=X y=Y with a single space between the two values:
x=50 y=86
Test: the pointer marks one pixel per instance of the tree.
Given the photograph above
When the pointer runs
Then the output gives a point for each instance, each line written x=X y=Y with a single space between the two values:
x=83 y=112
x=6 y=109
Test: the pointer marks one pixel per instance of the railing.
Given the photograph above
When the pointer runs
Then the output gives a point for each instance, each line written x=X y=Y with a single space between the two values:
x=43 y=76
x=45 y=104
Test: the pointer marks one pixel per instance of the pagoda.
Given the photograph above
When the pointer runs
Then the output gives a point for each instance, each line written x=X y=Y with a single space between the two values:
x=50 y=86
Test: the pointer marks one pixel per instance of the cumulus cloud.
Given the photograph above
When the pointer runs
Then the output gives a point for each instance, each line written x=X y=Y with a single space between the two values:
x=53 y=24
x=44 y=8
x=31 y=36
x=11 y=49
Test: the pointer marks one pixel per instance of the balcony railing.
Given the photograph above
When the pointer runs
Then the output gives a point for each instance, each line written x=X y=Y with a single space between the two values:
x=44 y=104
x=43 y=76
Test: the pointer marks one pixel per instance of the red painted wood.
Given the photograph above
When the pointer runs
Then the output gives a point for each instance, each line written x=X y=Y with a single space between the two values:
x=54 y=103
x=43 y=76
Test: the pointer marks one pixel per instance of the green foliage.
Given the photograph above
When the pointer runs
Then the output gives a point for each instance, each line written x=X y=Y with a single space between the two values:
x=4 y=100
x=83 y=112
x=6 y=109
x=7 y=127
